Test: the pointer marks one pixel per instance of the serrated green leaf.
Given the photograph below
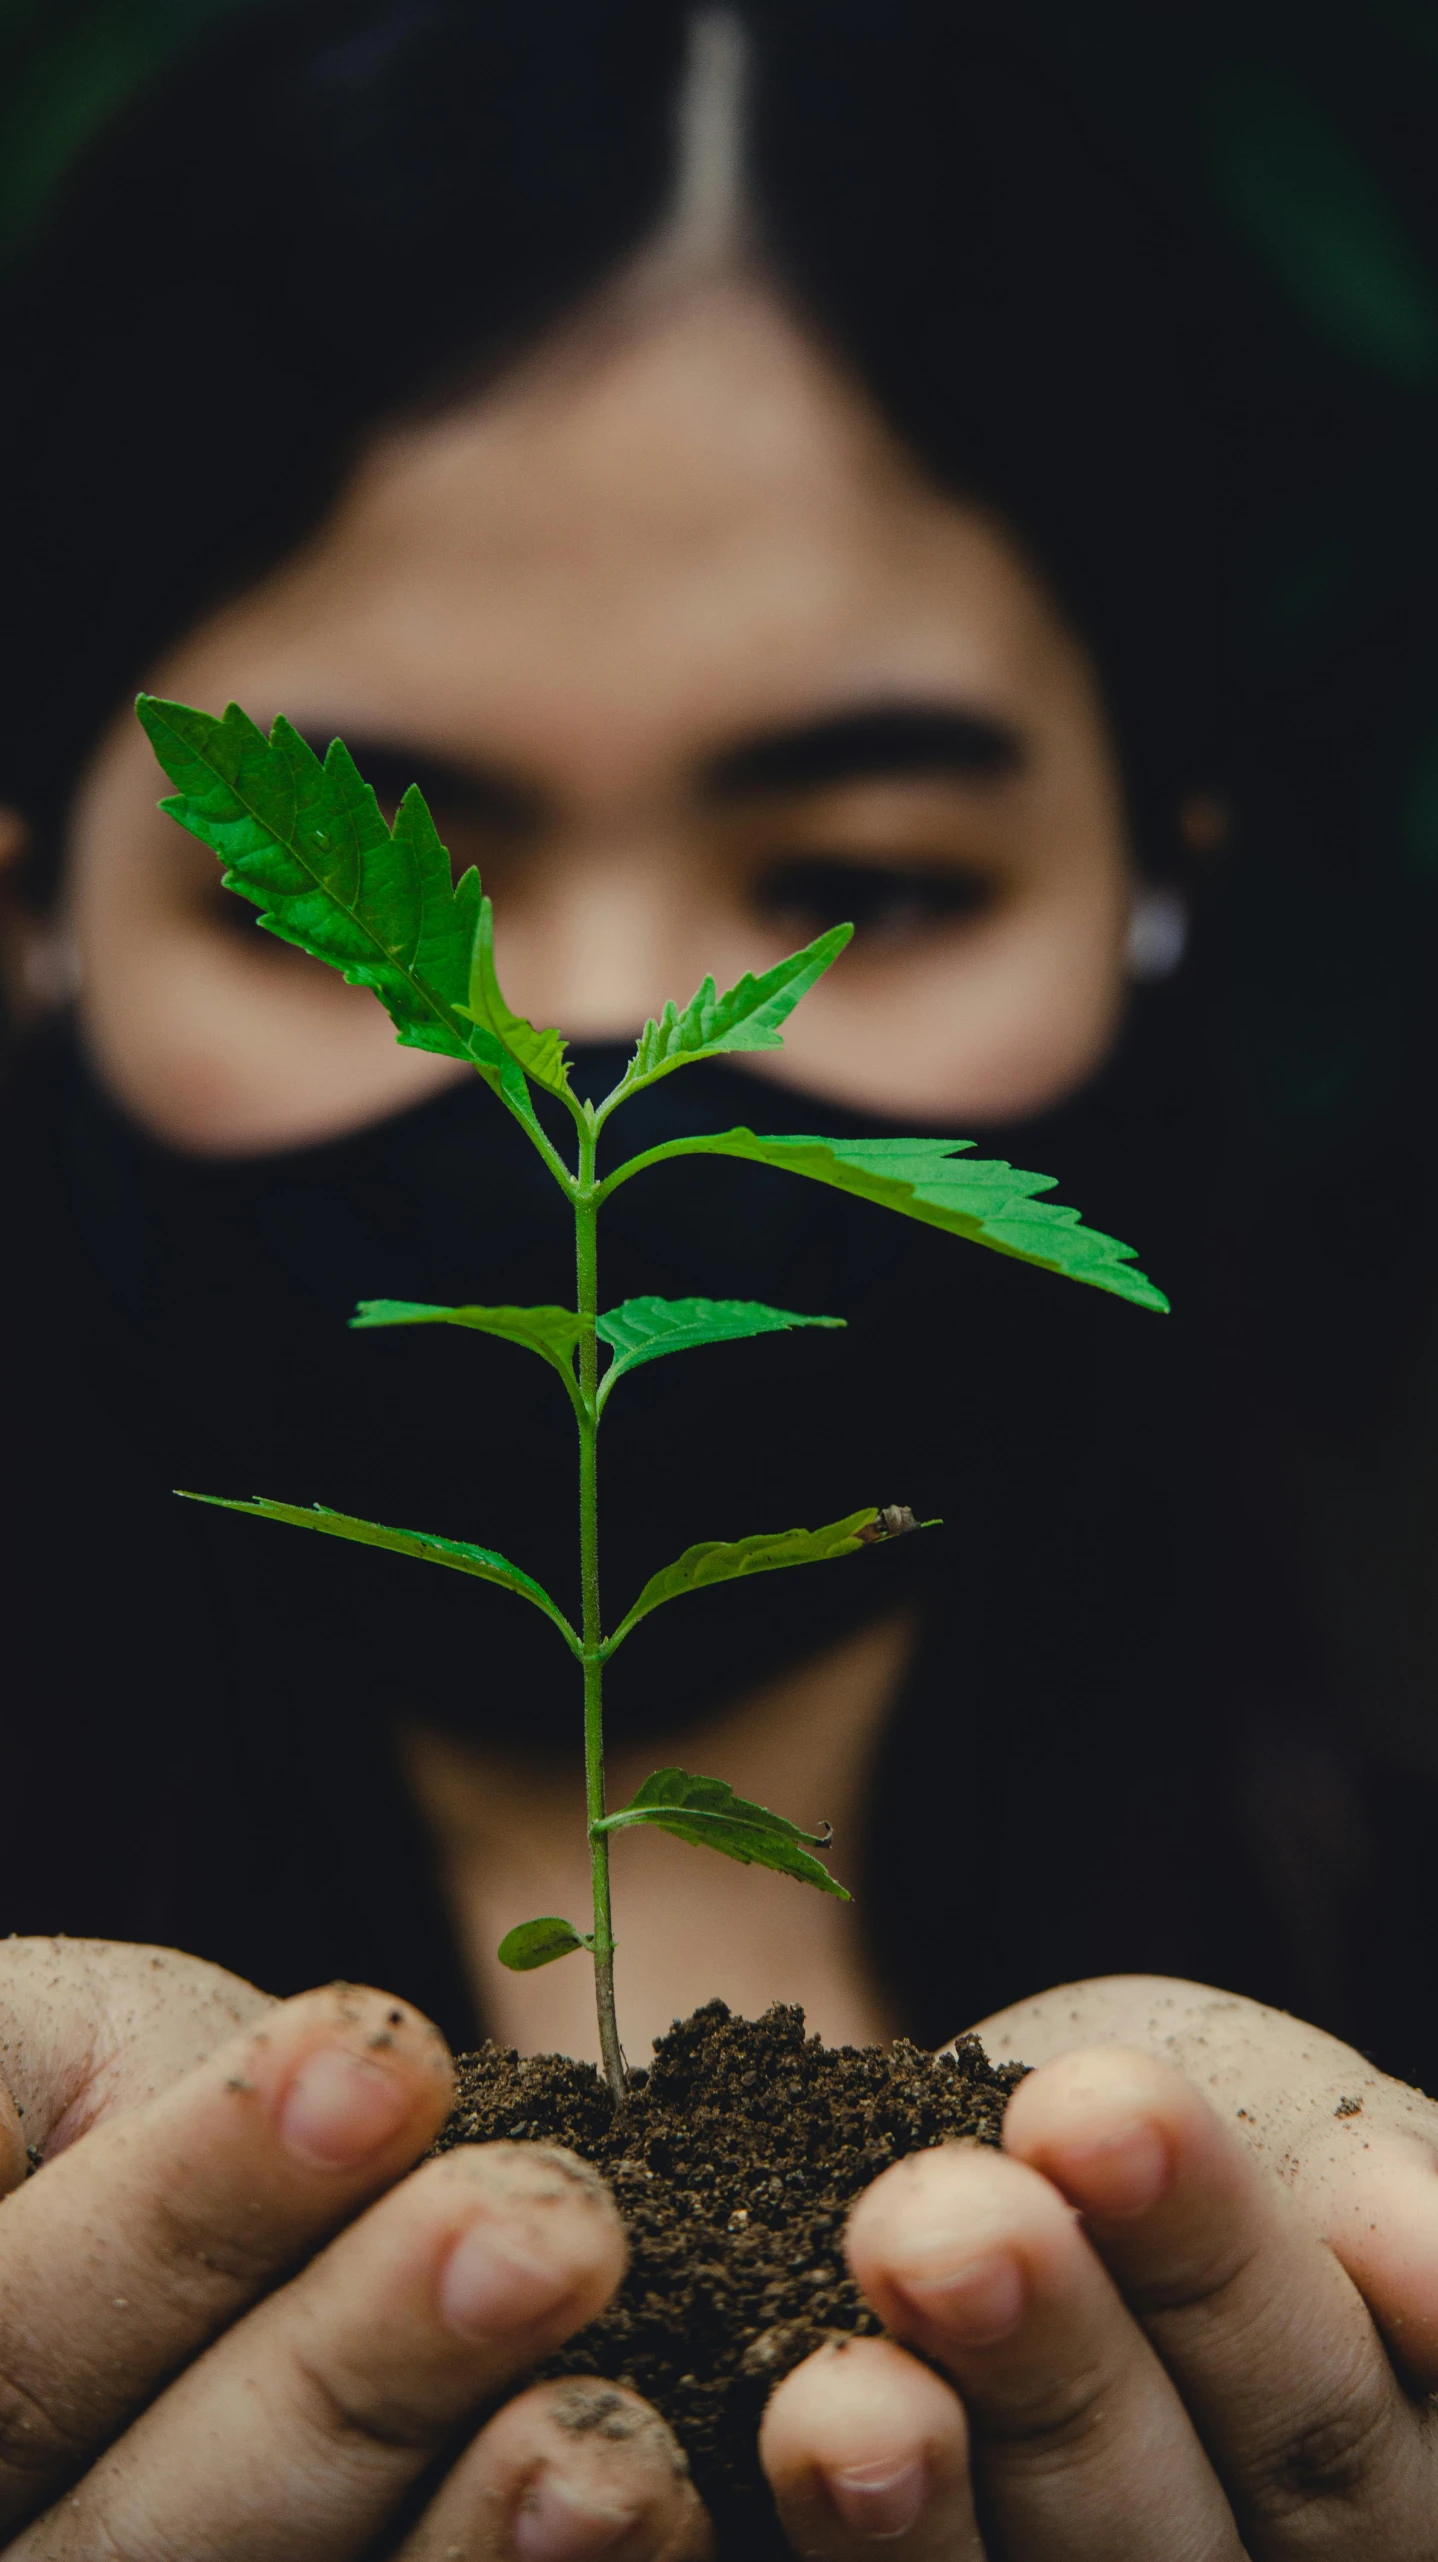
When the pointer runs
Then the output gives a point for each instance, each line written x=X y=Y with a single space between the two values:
x=708 y=1813
x=486 y=1563
x=538 y=1943
x=308 y=844
x=551 y=1332
x=540 y=1054
x=981 y=1198
x=645 y=1329
x=721 y=1560
x=746 y=1017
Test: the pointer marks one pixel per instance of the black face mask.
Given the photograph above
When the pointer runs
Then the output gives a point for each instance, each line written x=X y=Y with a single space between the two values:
x=211 y=1300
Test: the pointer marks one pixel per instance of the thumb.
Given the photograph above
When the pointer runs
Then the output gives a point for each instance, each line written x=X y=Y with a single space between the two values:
x=1358 y=2150
x=92 y=2026
x=1369 y=2179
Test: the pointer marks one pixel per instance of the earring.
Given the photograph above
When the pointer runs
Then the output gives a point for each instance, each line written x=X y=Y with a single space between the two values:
x=1157 y=932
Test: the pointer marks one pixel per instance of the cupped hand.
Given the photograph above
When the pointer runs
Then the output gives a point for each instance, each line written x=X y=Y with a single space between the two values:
x=1190 y=2314
x=237 y=2324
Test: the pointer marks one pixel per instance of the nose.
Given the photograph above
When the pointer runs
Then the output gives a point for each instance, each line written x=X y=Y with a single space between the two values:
x=605 y=927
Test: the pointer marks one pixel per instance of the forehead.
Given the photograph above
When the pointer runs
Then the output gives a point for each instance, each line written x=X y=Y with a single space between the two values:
x=670 y=520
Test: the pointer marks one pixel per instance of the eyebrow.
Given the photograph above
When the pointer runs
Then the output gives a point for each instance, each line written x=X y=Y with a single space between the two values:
x=871 y=742
x=477 y=792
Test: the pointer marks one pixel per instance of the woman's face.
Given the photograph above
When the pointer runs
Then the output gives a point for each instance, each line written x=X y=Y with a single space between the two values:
x=691 y=662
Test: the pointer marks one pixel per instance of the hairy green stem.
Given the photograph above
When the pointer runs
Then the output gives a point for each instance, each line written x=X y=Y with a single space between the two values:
x=586 y=1246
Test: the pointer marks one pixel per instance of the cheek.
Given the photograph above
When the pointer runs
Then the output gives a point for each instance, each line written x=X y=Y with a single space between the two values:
x=1000 y=1019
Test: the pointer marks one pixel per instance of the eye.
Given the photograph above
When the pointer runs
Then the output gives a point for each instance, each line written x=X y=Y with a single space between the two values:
x=484 y=821
x=885 y=902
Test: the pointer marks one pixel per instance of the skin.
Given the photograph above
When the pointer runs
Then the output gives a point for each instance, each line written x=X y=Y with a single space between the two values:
x=509 y=1842
x=1182 y=2318
x=228 y=2200
x=674 y=532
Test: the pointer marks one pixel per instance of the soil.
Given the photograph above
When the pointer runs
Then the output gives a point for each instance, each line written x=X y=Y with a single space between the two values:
x=734 y=2161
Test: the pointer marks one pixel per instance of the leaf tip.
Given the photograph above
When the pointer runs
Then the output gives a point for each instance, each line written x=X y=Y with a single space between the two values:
x=891 y=1521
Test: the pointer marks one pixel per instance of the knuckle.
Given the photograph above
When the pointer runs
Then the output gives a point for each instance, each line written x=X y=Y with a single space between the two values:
x=1335 y=2455
x=1057 y=2417
x=1202 y=2283
x=360 y=2416
x=195 y=2253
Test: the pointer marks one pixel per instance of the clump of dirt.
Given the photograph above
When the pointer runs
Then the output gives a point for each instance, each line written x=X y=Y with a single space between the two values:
x=734 y=2162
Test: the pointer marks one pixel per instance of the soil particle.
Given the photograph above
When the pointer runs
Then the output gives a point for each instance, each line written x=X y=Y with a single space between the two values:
x=734 y=2162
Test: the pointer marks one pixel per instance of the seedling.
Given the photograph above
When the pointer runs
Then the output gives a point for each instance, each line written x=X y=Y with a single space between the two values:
x=309 y=844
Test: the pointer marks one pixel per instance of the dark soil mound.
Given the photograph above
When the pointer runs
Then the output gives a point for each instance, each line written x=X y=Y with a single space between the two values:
x=734 y=2162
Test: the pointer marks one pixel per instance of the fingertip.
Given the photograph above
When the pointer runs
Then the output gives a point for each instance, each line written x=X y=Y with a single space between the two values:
x=862 y=2444
x=537 y=2240
x=1110 y=2129
x=942 y=2243
x=348 y=2077
x=862 y=2402
x=567 y=2471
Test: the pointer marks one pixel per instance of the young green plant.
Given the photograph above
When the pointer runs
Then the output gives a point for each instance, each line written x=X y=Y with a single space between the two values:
x=307 y=842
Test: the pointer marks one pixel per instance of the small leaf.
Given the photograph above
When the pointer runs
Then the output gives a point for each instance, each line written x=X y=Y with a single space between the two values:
x=540 y=1054
x=551 y=1332
x=486 y=1563
x=745 y=1017
x=707 y=1813
x=720 y=1560
x=645 y=1329
x=538 y=1943
x=934 y=1180
x=308 y=844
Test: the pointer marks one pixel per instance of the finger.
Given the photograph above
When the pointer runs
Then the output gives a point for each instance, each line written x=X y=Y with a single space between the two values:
x=1266 y=2337
x=1357 y=2149
x=137 y=2244
x=862 y=2445
x=297 y=2435
x=1374 y=2198
x=91 y=2026
x=1081 y=2447
x=567 y=2472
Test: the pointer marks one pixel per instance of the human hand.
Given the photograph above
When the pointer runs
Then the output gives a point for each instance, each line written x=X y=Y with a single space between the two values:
x=302 y=2430
x=168 y=2386
x=1189 y=2315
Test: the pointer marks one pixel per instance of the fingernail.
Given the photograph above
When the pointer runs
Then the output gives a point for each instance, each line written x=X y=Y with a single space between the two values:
x=490 y=2285
x=340 y=2107
x=1123 y=2176
x=555 y=2524
x=878 y=2502
x=975 y=2302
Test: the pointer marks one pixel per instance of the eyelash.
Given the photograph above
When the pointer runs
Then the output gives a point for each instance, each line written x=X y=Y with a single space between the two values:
x=884 y=902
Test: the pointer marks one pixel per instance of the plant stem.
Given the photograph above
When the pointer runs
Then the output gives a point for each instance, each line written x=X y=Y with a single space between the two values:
x=586 y=1250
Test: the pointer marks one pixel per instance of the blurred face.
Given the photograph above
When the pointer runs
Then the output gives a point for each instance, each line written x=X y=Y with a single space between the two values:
x=691 y=662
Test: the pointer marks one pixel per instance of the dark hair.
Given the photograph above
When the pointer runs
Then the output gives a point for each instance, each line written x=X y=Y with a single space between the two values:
x=329 y=213
x=338 y=211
